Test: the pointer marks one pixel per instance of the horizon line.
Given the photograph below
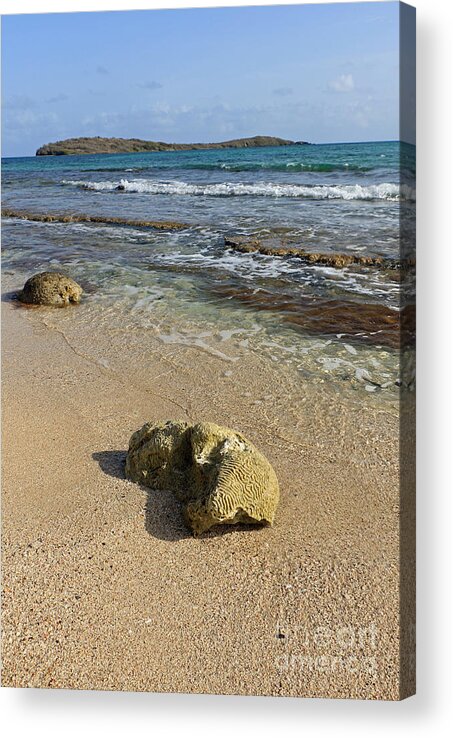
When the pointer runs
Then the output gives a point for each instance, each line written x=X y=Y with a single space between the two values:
x=128 y=153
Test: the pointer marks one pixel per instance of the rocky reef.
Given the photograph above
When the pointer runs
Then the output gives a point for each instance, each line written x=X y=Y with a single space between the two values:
x=162 y=225
x=338 y=260
x=50 y=288
x=219 y=476
x=99 y=145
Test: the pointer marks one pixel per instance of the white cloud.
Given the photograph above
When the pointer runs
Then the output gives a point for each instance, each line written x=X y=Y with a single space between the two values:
x=283 y=91
x=19 y=102
x=165 y=121
x=343 y=83
x=20 y=124
x=151 y=85
x=60 y=97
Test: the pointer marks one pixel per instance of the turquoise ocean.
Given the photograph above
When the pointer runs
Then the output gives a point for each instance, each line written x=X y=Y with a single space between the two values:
x=187 y=288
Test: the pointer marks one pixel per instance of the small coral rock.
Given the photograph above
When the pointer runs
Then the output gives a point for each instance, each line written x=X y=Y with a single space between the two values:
x=50 y=288
x=219 y=476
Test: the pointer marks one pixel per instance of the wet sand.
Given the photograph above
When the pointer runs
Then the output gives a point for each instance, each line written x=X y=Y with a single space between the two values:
x=104 y=588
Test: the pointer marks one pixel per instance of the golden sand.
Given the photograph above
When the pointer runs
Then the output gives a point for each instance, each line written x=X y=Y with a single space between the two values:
x=104 y=588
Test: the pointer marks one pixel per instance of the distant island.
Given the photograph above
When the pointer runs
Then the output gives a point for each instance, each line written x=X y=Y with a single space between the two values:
x=99 y=145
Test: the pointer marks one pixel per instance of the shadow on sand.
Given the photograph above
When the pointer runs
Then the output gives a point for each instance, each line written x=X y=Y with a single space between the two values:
x=163 y=513
x=13 y=298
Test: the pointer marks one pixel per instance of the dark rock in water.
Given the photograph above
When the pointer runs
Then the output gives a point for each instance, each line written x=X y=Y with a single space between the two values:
x=242 y=243
x=219 y=476
x=50 y=288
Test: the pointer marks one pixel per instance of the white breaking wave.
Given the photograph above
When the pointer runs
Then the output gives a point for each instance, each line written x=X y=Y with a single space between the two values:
x=384 y=191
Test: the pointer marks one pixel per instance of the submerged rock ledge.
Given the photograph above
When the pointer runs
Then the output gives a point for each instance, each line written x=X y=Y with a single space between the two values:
x=82 y=218
x=247 y=245
x=374 y=324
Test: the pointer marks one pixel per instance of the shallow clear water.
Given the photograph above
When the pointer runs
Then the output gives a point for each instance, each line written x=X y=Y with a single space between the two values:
x=186 y=288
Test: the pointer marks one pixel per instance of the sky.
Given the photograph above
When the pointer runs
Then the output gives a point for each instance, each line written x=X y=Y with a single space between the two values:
x=318 y=73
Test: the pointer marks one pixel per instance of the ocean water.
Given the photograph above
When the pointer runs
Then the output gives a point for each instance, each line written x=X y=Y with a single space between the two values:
x=185 y=288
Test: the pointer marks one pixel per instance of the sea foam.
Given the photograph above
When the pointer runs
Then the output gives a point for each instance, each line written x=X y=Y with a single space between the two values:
x=384 y=191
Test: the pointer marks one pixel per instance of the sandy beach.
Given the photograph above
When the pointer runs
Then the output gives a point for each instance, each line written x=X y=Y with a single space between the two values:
x=104 y=588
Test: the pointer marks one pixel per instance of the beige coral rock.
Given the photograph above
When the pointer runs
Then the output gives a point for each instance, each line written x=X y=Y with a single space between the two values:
x=219 y=476
x=50 y=288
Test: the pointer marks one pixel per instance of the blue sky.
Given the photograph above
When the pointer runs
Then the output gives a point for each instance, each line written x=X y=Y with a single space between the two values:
x=313 y=72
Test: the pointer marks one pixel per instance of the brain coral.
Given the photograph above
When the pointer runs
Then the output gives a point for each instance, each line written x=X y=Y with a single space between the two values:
x=218 y=475
x=50 y=288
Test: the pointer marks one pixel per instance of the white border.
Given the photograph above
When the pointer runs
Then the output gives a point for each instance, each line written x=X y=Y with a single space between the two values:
x=50 y=712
